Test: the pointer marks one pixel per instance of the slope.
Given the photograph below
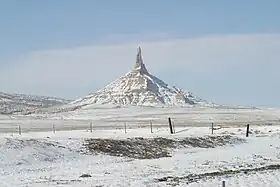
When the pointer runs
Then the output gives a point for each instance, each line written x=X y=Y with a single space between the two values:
x=16 y=103
x=140 y=88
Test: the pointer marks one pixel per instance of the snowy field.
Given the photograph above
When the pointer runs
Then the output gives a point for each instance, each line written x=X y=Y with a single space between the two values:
x=48 y=159
x=114 y=118
x=40 y=157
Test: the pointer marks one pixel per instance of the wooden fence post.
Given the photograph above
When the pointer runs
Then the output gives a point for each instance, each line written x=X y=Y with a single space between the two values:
x=90 y=126
x=53 y=128
x=151 y=124
x=247 y=131
x=125 y=127
x=170 y=125
x=224 y=184
x=19 y=130
x=212 y=128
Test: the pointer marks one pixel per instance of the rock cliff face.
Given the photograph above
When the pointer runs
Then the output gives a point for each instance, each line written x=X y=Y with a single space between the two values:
x=140 y=88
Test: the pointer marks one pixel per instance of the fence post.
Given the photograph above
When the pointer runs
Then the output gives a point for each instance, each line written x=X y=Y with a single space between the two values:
x=224 y=184
x=125 y=127
x=53 y=128
x=151 y=124
x=247 y=131
x=212 y=128
x=19 y=130
x=170 y=125
x=90 y=126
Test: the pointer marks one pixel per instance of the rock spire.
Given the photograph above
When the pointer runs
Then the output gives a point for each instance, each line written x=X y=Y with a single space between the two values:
x=139 y=88
x=139 y=64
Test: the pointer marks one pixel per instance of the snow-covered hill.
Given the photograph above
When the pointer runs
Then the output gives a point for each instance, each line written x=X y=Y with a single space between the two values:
x=17 y=103
x=140 y=88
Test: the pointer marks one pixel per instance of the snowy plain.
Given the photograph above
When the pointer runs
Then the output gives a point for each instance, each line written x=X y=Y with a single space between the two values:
x=136 y=117
x=40 y=157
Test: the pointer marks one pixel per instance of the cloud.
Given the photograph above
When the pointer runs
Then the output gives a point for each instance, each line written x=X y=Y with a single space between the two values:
x=137 y=37
x=74 y=72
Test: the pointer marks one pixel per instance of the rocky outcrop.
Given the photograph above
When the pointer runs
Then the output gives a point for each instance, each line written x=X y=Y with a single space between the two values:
x=139 y=87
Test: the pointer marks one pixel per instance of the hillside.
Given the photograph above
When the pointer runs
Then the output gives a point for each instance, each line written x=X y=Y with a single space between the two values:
x=16 y=103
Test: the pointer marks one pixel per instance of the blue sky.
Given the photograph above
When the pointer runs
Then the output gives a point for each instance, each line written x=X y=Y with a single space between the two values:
x=37 y=33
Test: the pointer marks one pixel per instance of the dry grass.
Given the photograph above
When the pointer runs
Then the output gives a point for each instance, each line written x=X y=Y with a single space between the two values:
x=153 y=148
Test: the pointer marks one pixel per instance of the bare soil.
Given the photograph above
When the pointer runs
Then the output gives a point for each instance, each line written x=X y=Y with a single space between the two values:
x=153 y=148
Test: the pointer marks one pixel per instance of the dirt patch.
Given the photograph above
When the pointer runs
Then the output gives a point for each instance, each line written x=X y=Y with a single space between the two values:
x=153 y=148
x=56 y=182
x=174 y=181
x=85 y=176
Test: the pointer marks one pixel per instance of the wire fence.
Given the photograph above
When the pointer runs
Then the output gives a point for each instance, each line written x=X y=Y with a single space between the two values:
x=90 y=126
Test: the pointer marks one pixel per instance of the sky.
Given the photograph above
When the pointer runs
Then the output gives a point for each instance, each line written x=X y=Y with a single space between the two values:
x=223 y=51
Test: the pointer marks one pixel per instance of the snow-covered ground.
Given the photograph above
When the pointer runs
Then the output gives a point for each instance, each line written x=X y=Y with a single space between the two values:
x=196 y=114
x=48 y=159
x=40 y=157
x=112 y=118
